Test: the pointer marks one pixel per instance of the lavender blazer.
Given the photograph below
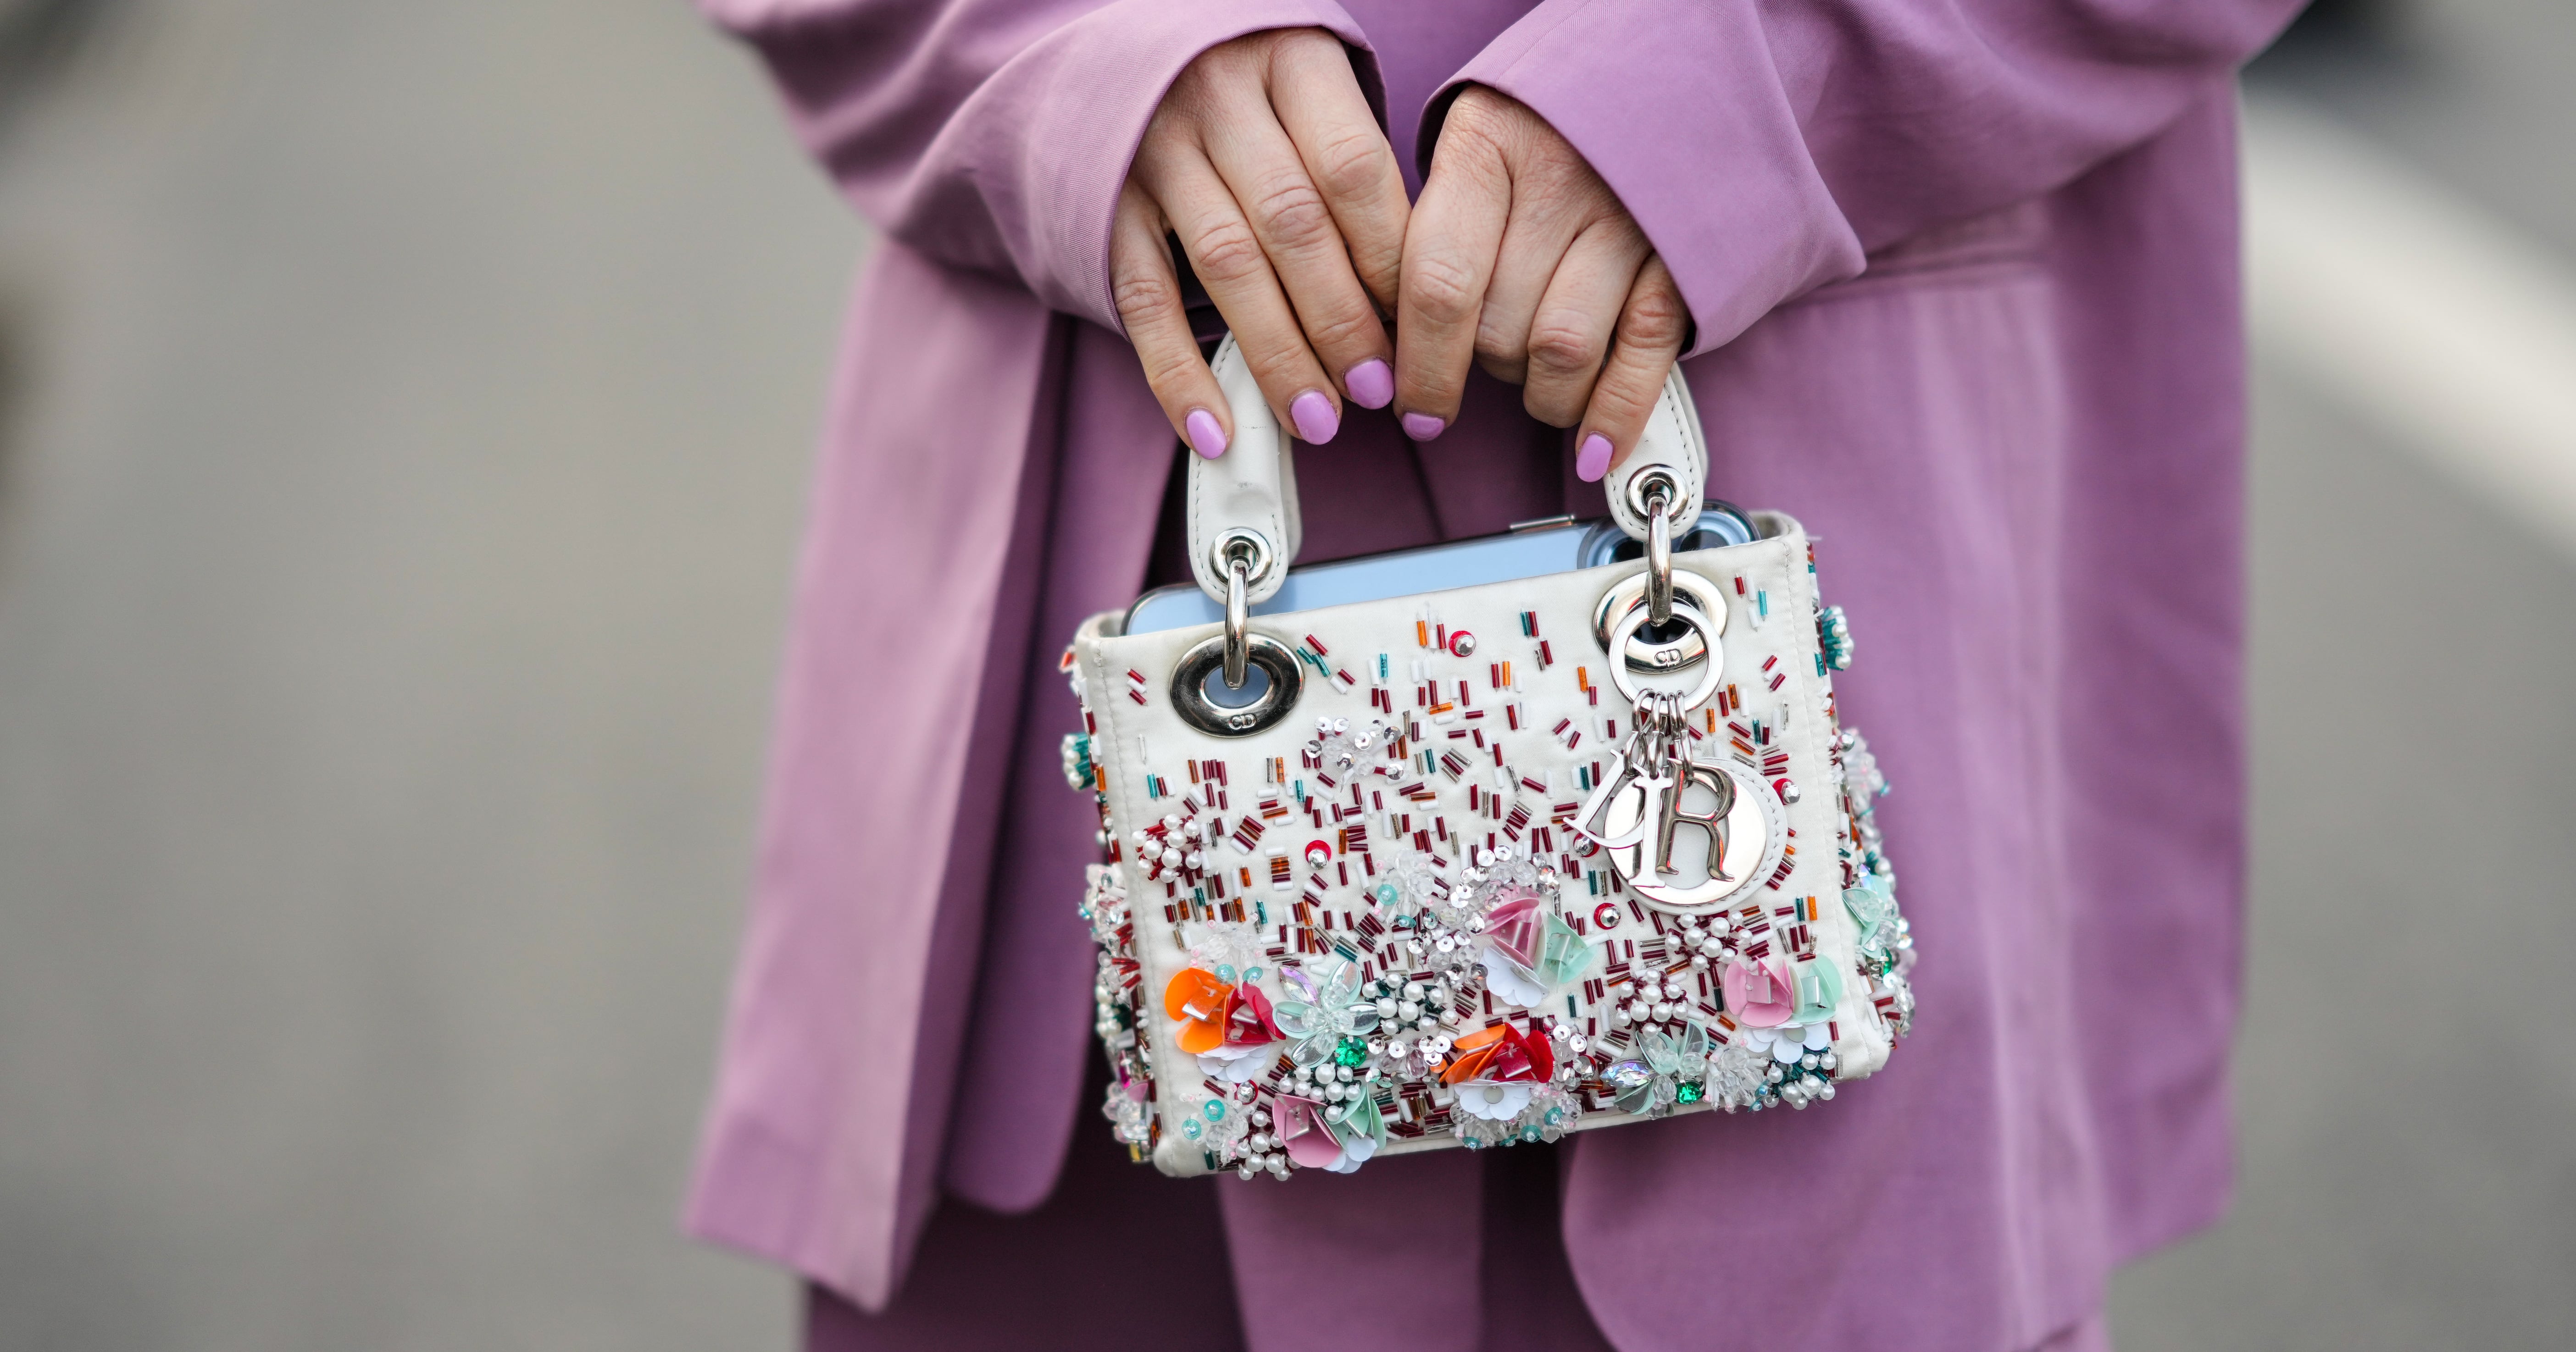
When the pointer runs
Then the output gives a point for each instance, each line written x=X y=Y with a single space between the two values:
x=1964 y=280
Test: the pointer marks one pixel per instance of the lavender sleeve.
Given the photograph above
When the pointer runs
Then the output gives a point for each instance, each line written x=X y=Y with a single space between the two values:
x=994 y=135
x=1766 y=146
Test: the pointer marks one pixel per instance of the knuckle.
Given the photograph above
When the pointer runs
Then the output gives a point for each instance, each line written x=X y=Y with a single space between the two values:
x=1143 y=296
x=1227 y=253
x=1353 y=162
x=1653 y=318
x=1442 y=289
x=1339 y=331
x=1561 y=348
x=1295 y=215
x=1168 y=373
x=1277 y=367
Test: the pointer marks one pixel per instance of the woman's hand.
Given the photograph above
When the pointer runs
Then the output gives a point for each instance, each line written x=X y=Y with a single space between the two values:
x=1522 y=259
x=1266 y=163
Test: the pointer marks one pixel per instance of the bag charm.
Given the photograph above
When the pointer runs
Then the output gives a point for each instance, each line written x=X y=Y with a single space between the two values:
x=1485 y=865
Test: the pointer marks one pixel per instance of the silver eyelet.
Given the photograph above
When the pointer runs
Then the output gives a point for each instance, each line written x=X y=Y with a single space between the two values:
x=1276 y=662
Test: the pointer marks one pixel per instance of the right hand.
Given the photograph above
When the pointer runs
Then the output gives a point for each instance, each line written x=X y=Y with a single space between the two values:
x=1266 y=163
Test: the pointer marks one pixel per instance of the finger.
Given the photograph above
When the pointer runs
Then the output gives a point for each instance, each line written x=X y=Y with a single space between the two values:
x=1288 y=214
x=1545 y=221
x=1449 y=255
x=1147 y=290
x=1323 y=111
x=1649 y=337
x=1569 y=334
x=1232 y=265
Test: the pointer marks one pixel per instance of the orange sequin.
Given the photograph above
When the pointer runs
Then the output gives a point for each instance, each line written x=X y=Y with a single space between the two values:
x=1197 y=999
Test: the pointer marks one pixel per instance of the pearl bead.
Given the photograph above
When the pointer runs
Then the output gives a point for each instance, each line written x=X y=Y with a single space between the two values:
x=1413 y=990
x=1386 y=1006
x=1662 y=1010
x=1699 y=961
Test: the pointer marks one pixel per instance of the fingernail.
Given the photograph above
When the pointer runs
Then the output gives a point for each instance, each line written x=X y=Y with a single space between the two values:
x=1207 y=437
x=1371 y=384
x=1422 y=426
x=1316 y=421
x=1593 y=461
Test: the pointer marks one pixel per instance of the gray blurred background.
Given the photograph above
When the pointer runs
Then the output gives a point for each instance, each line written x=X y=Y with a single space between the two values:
x=404 y=411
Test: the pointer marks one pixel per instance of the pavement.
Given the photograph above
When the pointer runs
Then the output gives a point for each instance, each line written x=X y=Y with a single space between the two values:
x=404 y=416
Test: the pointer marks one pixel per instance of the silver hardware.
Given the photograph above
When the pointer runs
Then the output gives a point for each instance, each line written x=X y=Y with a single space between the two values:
x=1626 y=631
x=1647 y=485
x=1242 y=557
x=1238 y=622
x=1659 y=560
x=1637 y=813
x=1270 y=700
x=1629 y=593
x=1241 y=542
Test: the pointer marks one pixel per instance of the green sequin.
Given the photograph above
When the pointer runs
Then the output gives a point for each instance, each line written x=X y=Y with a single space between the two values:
x=1352 y=1052
x=1689 y=1092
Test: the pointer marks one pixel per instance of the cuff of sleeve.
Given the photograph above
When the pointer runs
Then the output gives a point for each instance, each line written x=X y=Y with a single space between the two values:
x=1093 y=85
x=1680 y=109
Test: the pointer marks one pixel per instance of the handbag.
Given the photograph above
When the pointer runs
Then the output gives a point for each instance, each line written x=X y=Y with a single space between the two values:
x=1510 y=860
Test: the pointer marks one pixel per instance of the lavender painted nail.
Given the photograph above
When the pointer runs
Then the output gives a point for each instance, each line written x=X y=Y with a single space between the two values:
x=1371 y=384
x=1422 y=426
x=1207 y=436
x=1593 y=461
x=1316 y=421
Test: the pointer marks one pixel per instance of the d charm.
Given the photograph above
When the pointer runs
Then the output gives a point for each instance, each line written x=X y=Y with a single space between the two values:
x=1740 y=820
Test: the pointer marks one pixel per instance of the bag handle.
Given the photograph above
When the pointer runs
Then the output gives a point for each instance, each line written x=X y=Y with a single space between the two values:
x=1243 y=504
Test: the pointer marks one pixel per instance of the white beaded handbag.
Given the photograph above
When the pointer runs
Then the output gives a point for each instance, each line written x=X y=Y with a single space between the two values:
x=1480 y=865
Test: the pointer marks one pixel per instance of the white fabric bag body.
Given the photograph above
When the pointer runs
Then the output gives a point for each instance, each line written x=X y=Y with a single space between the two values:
x=1460 y=874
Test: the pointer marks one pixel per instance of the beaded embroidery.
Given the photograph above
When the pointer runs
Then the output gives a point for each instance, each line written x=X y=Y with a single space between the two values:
x=1395 y=934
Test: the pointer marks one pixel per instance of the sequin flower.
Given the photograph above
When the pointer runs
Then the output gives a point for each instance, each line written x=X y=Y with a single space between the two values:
x=1759 y=991
x=1872 y=905
x=1494 y=1070
x=1668 y=1070
x=1530 y=952
x=1229 y=1028
x=1337 y=1139
x=1330 y=1014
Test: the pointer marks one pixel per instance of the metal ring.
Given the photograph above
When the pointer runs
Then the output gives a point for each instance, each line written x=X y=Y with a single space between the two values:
x=1646 y=484
x=1189 y=687
x=1238 y=618
x=1629 y=593
x=1627 y=629
x=1241 y=541
x=1659 y=559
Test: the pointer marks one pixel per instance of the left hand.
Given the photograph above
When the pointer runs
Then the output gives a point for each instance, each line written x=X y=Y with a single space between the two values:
x=1520 y=258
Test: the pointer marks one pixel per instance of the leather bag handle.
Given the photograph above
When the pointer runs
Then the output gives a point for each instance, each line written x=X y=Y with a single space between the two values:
x=1244 y=502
